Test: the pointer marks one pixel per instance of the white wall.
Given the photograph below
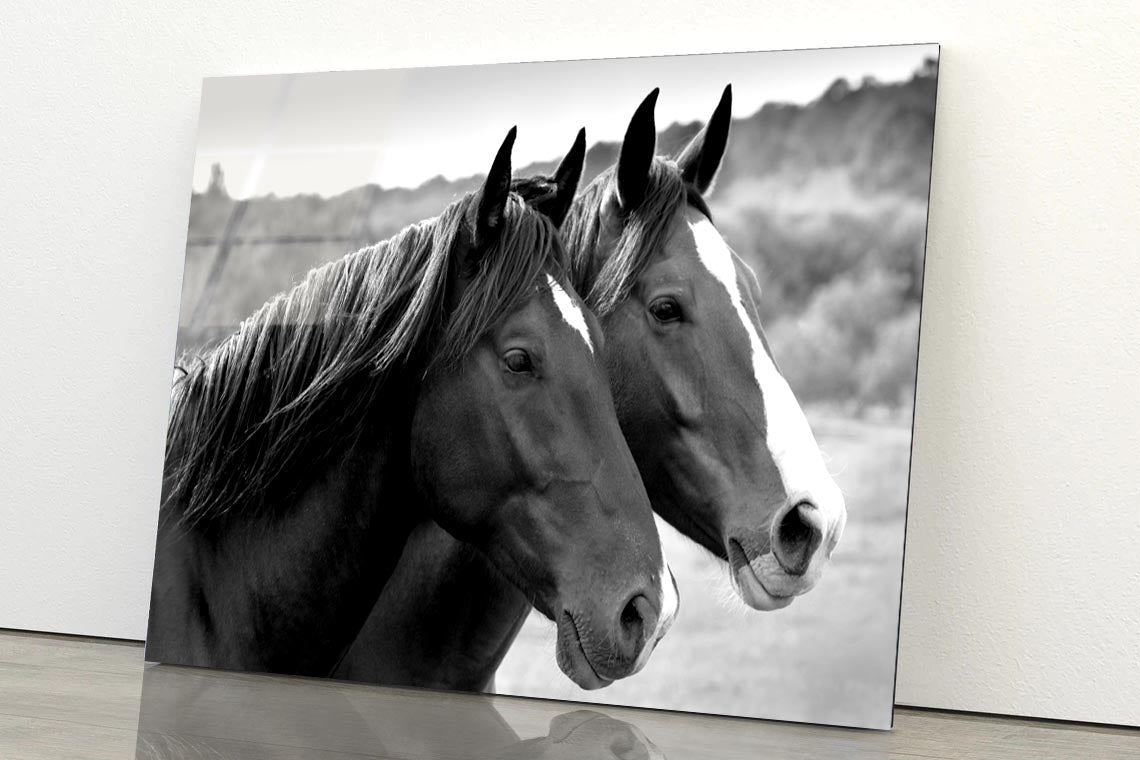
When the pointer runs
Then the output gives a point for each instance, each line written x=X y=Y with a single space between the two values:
x=1022 y=590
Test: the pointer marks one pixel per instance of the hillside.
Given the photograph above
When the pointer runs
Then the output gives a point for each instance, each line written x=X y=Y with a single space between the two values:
x=827 y=202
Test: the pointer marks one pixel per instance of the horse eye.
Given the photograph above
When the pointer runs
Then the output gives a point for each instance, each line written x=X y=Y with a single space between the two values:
x=665 y=310
x=518 y=361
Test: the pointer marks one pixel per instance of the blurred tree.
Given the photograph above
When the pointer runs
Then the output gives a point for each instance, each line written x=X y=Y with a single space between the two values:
x=826 y=202
x=217 y=188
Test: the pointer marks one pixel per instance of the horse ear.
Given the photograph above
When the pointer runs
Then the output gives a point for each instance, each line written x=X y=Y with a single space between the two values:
x=636 y=155
x=566 y=178
x=493 y=197
x=700 y=160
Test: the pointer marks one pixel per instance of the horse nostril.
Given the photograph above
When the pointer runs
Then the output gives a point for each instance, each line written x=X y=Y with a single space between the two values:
x=797 y=536
x=637 y=620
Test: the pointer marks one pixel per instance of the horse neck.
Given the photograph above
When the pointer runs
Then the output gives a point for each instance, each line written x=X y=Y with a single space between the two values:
x=285 y=589
x=445 y=619
x=587 y=262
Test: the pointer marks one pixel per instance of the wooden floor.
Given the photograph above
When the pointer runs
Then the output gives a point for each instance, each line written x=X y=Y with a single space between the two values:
x=63 y=697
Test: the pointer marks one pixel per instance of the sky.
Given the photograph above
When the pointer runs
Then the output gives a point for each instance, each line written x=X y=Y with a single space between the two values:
x=329 y=132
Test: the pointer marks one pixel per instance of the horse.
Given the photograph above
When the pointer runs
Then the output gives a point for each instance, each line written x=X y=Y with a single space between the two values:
x=722 y=445
x=448 y=374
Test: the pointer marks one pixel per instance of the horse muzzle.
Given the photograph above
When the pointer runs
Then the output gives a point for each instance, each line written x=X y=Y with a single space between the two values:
x=594 y=656
x=790 y=560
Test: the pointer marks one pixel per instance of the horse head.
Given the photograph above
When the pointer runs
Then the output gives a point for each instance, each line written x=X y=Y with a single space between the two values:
x=518 y=444
x=726 y=452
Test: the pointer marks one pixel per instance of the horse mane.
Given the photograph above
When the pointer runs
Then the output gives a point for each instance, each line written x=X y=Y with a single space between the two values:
x=605 y=283
x=296 y=380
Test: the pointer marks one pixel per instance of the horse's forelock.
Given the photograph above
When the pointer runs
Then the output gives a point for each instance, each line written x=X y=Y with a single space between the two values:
x=527 y=246
x=606 y=278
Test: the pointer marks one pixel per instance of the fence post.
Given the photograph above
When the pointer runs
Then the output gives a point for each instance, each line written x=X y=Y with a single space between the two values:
x=219 y=263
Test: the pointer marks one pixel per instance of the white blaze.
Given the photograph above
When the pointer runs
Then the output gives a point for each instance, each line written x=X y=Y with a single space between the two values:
x=789 y=437
x=570 y=311
x=669 y=601
x=669 y=606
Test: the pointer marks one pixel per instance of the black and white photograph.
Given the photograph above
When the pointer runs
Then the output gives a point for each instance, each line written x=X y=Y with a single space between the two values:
x=506 y=380
x=584 y=380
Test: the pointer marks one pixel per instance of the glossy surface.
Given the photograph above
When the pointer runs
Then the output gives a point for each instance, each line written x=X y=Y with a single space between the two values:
x=73 y=698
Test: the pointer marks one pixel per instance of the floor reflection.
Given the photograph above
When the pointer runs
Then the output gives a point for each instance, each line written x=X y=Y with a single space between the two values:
x=586 y=734
x=195 y=714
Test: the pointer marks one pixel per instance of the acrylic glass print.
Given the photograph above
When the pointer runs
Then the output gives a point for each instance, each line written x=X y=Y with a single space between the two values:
x=589 y=380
